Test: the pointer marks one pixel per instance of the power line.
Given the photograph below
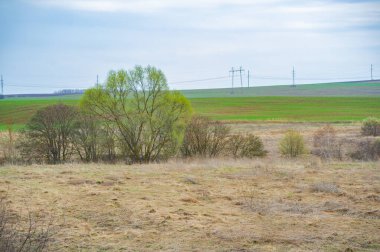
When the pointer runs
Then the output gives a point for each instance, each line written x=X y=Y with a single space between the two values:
x=41 y=86
x=199 y=80
x=232 y=71
x=257 y=77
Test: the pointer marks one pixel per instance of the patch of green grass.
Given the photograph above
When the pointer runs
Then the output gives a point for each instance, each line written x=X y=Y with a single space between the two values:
x=337 y=89
x=17 y=111
x=275 y=108
x=296 y=109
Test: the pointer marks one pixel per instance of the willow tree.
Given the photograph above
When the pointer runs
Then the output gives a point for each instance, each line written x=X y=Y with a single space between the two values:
x=150 y=119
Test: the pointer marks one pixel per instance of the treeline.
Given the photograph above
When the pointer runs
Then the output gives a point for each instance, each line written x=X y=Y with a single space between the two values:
x=134 y=118
x=69 y=91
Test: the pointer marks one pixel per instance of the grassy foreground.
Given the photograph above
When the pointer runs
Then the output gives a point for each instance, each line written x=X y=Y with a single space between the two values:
x=296 y=109
x=203 y=205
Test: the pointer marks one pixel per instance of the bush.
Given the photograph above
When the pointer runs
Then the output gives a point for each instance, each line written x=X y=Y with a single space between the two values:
x=292 y=144
x=246 y=146
x=367 y=150
x=204 y=137
x=325 y=143
x=17 y=235
x=371 y=127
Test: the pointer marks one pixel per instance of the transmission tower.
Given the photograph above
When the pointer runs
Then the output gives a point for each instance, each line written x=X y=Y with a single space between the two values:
x=248 y=77
x=293 y=73
x=232 y=71
x=241 y=79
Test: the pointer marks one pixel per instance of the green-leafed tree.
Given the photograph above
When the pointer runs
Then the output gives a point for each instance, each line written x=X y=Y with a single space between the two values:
x=150 y=119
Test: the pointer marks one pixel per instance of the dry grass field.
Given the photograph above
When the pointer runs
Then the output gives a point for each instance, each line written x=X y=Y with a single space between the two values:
x=271 y=133
x=268 y=204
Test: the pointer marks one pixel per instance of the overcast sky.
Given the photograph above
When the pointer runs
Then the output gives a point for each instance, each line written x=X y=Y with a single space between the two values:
x=46 y=45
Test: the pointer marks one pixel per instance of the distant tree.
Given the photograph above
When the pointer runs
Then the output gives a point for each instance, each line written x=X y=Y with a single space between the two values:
x=149 y=118
x=49 y=133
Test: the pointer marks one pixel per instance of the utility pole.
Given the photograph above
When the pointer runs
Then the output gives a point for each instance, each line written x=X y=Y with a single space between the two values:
x=97 y=80
x=241 y=79
x=371 y=72
x=248 y=78
x=294 y=84
x=232 y=71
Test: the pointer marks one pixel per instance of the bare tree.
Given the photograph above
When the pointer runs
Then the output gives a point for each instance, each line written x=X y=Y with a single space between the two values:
x=204 y=137
x=50 y=132
x=86 y=137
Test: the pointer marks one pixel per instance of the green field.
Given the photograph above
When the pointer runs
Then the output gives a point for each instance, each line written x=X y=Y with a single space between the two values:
x=299 y=109
x=336 y=89
x=17 y=111
x=326 y=102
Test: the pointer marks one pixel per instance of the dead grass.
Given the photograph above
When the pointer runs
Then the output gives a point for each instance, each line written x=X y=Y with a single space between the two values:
x=271 y=133
x=325 y=187
x=243 y=205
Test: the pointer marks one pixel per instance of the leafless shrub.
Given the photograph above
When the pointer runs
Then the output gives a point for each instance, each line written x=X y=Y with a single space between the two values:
x=246 y=146
x=367 y=150
x=371 y=127
x=17 y=235
x=8 y=152
x=326 y=144
x=204 y=137
x=31 y=150
x=250 y=199
x=324 y=187
x=292 y=144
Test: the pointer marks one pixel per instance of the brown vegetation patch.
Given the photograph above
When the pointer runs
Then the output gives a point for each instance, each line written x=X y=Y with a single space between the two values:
x=272 y=204
x=80 y=182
